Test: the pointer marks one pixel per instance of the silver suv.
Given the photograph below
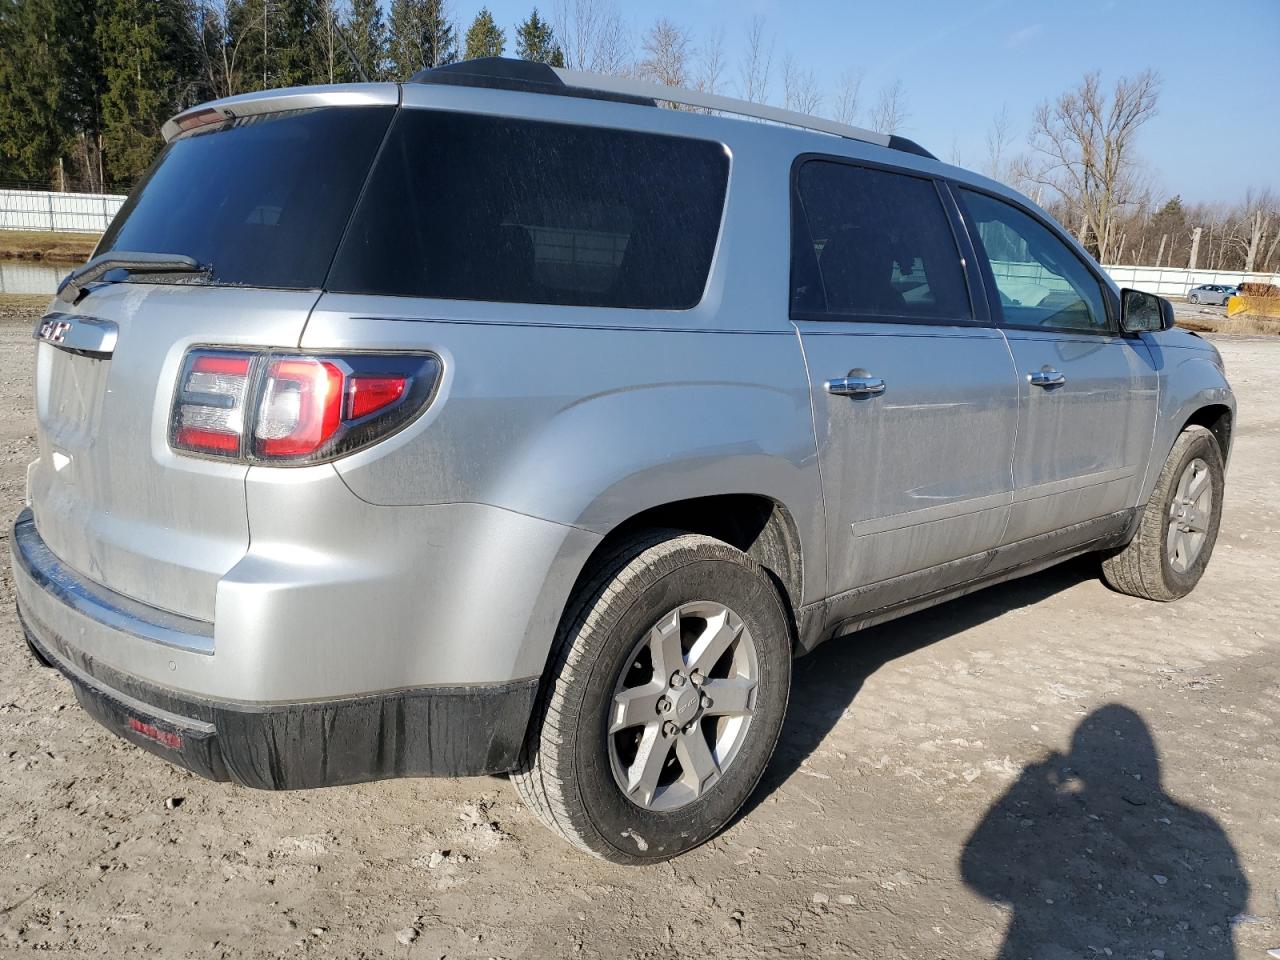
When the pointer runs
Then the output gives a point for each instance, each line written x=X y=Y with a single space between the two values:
x=504 y=421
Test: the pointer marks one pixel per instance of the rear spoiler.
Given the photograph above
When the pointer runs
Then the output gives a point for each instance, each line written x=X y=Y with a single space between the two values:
x=273 y=101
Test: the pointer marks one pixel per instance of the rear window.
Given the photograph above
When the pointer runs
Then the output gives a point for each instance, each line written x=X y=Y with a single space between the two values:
x=871 y=243
x=263 y=200
x=471 y=207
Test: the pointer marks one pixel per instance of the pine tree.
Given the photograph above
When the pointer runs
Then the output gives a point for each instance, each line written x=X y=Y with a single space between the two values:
x=535 y=40
x=49 y=77
x=367 y=34
x=148 y=73
x=421 y=36
x=484 y=38
x=298 y=55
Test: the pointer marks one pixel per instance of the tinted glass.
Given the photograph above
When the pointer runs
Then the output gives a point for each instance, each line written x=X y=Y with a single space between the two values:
x=263 y=200
x=1041 y=282
x=469 y=207
x=873 y=243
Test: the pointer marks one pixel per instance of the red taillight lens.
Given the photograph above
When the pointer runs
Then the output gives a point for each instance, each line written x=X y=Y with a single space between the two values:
x=305 y=409
x=367 y=395
x=301 y=407
x=208 y=414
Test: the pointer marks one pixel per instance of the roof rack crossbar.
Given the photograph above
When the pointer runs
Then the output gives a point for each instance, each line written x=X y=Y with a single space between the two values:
x=712 y=101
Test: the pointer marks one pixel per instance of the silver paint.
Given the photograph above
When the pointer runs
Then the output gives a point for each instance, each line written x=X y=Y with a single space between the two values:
x=446 y=554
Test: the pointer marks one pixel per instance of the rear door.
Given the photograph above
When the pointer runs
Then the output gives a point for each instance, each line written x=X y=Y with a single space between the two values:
x=262 y=201
x=914 y=395
x=1088 y=393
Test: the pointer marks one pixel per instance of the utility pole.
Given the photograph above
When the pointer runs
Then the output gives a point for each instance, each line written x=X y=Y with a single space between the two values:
x=266 y=12
x=1195 y=248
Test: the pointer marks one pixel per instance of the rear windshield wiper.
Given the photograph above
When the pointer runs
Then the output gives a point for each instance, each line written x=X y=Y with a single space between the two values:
x=76 y=285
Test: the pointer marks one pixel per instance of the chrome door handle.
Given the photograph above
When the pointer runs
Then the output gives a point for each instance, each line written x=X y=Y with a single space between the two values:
x=1046 y=378
x=856 y=386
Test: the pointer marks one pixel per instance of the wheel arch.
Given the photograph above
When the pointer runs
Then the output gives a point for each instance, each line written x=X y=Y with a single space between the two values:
x=1218 y=419
x=758 y=525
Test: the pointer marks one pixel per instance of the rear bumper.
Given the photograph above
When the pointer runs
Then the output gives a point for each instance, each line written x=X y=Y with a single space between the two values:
x=452 y=730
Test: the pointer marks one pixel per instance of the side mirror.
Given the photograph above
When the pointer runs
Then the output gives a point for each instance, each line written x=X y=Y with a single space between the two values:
x=1142 y=312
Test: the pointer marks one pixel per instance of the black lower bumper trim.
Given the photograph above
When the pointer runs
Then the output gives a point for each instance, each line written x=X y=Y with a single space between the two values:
x=433 y=731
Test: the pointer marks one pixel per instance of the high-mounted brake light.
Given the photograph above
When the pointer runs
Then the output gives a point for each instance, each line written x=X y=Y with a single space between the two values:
x=200 y=118
x=295 y=408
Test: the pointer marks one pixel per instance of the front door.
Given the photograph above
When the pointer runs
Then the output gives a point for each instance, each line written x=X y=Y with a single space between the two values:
x=914 y=396
x=1088 y=401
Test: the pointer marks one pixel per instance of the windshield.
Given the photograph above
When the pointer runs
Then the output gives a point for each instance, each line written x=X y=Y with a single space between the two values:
x=262 y=201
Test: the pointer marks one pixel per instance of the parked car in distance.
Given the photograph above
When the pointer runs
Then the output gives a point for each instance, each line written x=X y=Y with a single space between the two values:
x=504 y=421
x=1213 y=293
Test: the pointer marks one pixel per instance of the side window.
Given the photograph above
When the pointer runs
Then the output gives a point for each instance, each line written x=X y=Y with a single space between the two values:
x=870 y=243
x=472 y=207
x=1040 y=280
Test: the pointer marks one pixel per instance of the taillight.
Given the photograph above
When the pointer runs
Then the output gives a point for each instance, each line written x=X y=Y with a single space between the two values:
x=301 y=407
x=277 y=408
x=208 y=413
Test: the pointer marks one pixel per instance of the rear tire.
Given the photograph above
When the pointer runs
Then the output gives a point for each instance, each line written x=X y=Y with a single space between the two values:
x=1178 y=527
x=619 y=759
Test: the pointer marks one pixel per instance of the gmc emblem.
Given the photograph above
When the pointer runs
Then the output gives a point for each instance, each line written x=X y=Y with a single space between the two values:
x=53 y=331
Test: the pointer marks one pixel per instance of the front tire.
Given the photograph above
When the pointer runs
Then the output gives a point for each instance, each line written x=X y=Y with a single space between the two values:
x=1194 y=298
x=1179 y=525
x=664 y=699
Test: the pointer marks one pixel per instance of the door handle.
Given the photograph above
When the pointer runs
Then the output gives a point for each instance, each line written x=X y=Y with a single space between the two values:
x=856 y=386
x=1046 y=378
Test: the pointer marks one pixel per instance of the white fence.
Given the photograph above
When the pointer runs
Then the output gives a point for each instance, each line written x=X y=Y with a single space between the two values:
x=1175 y=282
x=1018 y=275
x=58 y=212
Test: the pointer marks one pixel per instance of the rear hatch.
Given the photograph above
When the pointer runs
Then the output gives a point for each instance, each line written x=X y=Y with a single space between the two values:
x=261 y=200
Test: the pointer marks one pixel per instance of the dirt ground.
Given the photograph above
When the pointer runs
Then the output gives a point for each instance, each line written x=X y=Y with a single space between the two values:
x=1044 y=769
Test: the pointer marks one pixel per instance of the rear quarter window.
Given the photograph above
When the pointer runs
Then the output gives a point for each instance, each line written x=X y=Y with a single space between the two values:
x=468 y=207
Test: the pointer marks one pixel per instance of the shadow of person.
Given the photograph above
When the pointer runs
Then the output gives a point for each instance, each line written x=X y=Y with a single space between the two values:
x=1095 y=859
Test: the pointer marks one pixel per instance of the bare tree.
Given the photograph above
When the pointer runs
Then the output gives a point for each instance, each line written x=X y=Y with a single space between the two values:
x=666 y=47
x=890 y=112
x=848 y=97
x=709 y=73
x=1258 y=215
x=799 y=87
x=593 y=36
x=1086 y=138
x=999 y=165
x=221 y=35
x=756 y=63
x=333 y=51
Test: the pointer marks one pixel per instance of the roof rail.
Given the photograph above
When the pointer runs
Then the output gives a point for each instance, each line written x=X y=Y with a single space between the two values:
x=528 y=76
x=510 y=74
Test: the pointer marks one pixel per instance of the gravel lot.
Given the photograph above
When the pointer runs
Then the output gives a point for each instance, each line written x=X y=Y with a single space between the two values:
x=1044 y=769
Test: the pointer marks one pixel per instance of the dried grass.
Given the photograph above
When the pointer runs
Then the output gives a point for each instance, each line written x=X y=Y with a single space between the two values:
x=1242 y=323
x=71 y=248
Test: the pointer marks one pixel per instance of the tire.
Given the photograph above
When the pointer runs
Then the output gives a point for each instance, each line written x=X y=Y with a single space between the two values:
x=572 y=768
x=1145 y=567
x=1194 y=298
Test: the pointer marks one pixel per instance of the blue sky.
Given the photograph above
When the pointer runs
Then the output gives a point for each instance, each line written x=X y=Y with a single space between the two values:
x=960 y=61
